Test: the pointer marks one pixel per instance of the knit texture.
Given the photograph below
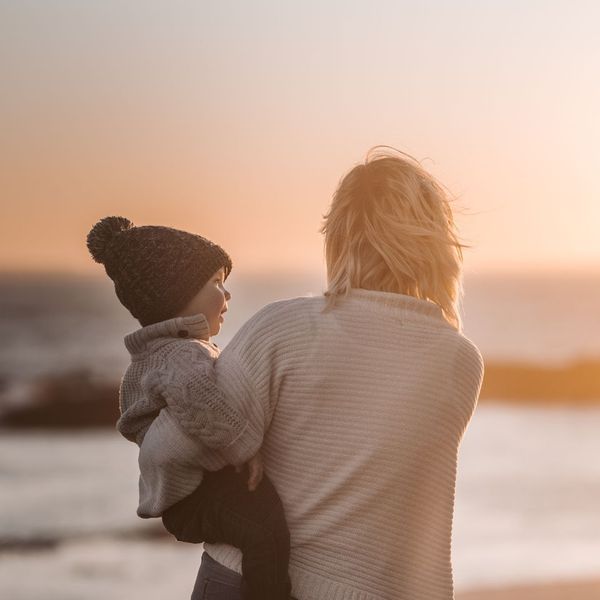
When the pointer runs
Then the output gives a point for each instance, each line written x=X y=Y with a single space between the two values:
x=168 y=396
x=156 y=270
x=363 y=409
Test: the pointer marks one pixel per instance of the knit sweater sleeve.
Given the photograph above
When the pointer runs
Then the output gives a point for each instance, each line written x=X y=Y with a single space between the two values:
x=249 y=372
x=198 y=406
x=138 y=411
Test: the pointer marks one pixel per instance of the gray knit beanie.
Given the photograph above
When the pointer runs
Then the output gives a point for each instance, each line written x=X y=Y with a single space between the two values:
x=156 y=270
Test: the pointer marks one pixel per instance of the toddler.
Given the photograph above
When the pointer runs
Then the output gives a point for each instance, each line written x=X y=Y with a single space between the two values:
x=173 y=282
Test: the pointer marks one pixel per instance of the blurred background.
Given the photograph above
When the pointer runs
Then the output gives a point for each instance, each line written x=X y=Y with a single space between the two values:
x=236 y=120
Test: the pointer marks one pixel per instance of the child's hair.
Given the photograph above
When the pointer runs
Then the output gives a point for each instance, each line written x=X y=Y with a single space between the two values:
x=390 y=228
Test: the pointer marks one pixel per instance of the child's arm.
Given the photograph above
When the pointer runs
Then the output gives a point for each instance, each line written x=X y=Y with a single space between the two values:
x=199 y=407
x=167 y=447
x=242 y=389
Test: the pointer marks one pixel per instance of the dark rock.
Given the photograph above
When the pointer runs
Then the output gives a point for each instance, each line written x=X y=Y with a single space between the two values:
x=68 y=401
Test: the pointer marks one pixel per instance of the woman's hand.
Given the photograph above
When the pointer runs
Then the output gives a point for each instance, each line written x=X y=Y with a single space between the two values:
x=255 y=471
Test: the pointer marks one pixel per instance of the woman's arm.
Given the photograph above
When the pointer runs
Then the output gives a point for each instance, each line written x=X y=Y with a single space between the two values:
x=248 y=373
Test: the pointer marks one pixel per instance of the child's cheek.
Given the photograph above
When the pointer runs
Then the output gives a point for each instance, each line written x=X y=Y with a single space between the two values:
x=216 y=304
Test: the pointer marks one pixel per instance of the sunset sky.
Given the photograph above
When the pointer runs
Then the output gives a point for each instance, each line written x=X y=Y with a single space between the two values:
x=237 y=119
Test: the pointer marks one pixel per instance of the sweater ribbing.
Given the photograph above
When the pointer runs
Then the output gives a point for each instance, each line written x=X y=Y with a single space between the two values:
x=363 y=409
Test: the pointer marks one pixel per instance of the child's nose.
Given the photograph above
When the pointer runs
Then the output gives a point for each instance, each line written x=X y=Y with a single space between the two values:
x=227 y=295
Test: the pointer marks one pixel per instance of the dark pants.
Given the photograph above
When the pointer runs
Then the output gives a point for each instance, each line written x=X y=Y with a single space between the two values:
x=223 y=510
x=216 y=582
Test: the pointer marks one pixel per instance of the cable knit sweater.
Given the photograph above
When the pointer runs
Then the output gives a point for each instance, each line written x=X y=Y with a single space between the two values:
x=168 y=397
x=362 y=409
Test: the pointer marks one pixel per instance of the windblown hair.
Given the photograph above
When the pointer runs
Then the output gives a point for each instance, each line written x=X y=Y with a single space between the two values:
x=390 y=228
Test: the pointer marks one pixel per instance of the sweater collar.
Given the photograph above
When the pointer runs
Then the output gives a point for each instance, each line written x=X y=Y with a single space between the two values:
x=399 y=305
x=194 y=326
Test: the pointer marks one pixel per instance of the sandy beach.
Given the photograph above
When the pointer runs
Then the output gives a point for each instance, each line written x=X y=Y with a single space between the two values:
x=99 y=568
x=581 y=590
x=96 y=568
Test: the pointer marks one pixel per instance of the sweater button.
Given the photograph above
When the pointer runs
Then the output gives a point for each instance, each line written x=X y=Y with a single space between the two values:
x=182 y=333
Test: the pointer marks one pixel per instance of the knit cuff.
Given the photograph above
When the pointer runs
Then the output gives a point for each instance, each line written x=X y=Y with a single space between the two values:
x=236 y=453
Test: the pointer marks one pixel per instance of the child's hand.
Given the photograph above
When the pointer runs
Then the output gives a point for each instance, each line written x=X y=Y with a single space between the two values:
x=255 y=471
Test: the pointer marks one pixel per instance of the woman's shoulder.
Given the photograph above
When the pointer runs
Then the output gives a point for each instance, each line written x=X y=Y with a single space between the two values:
x=468 y=348
x=468 y=359
x=290 y=310
x=278 y=320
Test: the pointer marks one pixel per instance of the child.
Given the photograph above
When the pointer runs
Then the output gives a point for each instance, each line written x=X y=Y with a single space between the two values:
x=172 y=282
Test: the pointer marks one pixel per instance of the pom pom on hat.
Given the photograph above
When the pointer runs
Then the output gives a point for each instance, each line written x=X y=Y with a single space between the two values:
x=102 y=233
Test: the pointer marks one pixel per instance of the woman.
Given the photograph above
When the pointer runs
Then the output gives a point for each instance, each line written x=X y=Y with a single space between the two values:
x=362 y=397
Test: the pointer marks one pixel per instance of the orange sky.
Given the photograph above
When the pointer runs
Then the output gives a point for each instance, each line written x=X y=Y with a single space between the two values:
x=236 y=121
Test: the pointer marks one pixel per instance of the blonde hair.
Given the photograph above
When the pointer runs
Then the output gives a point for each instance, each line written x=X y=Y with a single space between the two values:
x=390 y=228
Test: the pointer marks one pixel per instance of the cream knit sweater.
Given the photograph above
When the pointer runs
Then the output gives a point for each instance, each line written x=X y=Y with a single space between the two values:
x=362 y=409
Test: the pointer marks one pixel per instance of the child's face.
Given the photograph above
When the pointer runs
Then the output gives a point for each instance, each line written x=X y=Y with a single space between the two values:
x=211 y=301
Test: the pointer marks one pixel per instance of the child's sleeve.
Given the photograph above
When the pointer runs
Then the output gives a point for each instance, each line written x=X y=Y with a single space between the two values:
x=198 y=406
x=137 y=414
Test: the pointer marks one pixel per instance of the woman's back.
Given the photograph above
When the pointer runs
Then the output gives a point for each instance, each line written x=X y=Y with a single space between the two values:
x=364 y=407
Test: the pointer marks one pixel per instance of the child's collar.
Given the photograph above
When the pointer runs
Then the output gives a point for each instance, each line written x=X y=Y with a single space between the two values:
x=194 y=326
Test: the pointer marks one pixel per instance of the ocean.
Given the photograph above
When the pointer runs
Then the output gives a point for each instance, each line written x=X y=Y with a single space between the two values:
x=527 y=498
x=528 y=484
x=57 y=324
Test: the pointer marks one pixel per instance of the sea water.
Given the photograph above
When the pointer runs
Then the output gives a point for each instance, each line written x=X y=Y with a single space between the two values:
x=56 y=324
x=528 y=492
